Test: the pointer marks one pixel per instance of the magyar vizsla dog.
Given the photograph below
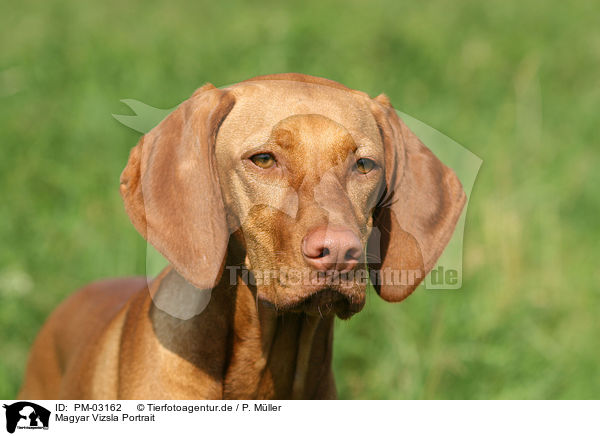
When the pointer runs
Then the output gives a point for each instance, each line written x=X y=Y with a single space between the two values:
x=277 y=200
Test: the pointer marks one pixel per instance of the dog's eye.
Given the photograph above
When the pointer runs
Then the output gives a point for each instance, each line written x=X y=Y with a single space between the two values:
x=263 y=160
x=364 y=165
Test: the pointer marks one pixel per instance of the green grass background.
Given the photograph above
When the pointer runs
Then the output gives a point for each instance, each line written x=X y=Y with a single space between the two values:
x=516 y=82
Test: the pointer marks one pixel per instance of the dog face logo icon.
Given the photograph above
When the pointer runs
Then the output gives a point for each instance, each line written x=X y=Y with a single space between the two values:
x=26 y=415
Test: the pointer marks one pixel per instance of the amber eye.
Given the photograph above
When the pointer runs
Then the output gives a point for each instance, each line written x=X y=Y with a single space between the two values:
x=263 y=160
x=364 y=165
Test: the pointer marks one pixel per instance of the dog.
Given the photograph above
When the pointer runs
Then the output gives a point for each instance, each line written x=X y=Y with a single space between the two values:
x=275 y=201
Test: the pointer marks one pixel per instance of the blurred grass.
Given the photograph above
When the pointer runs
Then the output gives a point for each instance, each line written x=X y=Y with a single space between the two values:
x=516 y=82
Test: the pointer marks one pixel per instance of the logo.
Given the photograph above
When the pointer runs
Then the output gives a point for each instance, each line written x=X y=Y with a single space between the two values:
x=26 y=415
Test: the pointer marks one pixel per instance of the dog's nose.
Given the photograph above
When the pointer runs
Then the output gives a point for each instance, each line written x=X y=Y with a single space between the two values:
x=330 y=248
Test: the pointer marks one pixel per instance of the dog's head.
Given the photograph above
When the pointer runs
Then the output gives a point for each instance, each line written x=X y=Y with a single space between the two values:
x=308 y=183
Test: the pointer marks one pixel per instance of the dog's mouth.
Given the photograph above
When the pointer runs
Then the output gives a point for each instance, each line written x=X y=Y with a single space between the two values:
x=330 y=301
x=330 y=293
x=325 y=302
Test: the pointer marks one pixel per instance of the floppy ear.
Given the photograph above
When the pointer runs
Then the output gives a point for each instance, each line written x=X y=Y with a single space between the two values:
x=171 y=190
x=418 y=212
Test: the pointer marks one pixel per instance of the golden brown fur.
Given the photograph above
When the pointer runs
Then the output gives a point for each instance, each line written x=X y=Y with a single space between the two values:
x=204 y=330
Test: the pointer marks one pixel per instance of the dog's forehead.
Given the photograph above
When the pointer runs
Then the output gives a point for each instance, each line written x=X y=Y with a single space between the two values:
x=261 y=105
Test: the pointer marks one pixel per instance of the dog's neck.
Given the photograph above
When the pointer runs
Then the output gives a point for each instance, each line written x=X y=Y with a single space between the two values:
x=274 y=354
x=239 y=346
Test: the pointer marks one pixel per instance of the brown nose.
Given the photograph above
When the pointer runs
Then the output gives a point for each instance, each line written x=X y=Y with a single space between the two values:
x=329 y=248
